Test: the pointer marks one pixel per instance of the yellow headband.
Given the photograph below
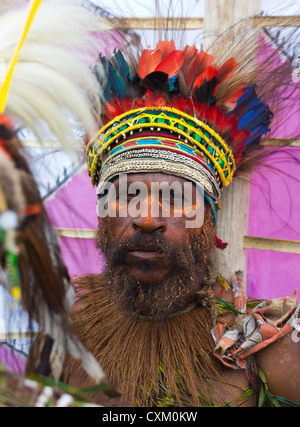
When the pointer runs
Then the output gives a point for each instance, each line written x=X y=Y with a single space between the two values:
x=199 y=134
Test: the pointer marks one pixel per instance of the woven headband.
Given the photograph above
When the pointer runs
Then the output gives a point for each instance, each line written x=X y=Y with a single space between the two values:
x=161 y=139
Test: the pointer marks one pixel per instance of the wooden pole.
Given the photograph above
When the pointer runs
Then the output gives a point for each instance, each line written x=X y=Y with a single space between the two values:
x=220 y=15
x=196 y=23
x=232 y=223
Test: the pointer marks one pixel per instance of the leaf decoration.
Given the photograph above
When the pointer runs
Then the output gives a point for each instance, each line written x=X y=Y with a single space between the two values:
x=228 y=305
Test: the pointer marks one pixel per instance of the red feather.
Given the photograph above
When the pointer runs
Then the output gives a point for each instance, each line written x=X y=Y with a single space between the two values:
x=166 y=47
x=148 y=62
x=195 y=65
x=220 y=244
x=3 y=149
x=227 y=69
x=6 y=121
x=231 y=100
x=212 y=114
x=208 y=74
x=190 y=53
x=171 y=63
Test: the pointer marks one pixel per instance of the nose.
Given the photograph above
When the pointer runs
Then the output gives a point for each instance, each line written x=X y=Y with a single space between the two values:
x=148 y=225
x=149 y=220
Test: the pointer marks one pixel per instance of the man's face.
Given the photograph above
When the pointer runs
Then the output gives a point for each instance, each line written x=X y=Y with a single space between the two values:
x=152 y=248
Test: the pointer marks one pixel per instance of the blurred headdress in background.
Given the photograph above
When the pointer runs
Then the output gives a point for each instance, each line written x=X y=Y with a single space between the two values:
x=47 y=87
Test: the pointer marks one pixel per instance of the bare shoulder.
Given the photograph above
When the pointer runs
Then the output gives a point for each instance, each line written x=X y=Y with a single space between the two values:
x=280 y=362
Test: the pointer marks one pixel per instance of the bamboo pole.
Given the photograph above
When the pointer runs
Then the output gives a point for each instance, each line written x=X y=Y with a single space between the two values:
x=275 y=245
x=197 y=23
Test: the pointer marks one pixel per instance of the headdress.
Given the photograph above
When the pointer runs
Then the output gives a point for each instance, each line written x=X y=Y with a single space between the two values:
x=178 y=111
x=47 y=87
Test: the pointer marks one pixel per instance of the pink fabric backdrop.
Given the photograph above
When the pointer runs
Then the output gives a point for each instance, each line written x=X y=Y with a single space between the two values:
x=275 y=213
x=11 y=360
x=74 y=206
x=274 y=210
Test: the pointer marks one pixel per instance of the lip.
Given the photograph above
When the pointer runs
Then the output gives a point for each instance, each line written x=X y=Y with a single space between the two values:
x=145 y=254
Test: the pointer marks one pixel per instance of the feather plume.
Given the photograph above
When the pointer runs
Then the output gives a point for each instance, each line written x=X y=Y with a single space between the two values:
x=227 y=87
x=208 y=74
x=171 y=63
x=52 y=72
x=227 y=69
x=149 y=61
x=195 y=63
x=165 y=47
x=53 y=88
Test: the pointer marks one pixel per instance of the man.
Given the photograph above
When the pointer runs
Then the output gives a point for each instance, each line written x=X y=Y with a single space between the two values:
x=148 y=320
x=152 y=319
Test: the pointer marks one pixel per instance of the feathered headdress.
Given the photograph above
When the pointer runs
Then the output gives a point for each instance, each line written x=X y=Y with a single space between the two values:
x=179 y=111
x=47 y=83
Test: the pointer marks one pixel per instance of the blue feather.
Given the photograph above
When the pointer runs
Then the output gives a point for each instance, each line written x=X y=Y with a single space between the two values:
x=253 y=115
x=116 y=74
x=119 y=63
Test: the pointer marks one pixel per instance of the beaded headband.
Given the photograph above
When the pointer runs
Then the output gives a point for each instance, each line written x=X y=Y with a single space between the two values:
x=195 y=151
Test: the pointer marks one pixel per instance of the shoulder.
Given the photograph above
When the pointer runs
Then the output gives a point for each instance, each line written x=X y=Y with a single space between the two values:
x=277 y=349
x=280 y=362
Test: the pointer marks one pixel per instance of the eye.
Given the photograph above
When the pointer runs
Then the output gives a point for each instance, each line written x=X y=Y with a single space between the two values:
x=176 y=196
x=128 y=195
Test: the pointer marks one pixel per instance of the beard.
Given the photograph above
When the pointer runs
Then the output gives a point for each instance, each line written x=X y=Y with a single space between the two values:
x=162 y=298
x=166 y=356
x=149 y=362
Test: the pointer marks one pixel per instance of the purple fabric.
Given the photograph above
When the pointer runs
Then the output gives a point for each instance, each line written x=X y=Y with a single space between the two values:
x=74 y=206
x=11 y=360
x=275 y=203
x=275 y=213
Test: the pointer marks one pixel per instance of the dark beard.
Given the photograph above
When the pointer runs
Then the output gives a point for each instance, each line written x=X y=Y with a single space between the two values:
x=161 y=298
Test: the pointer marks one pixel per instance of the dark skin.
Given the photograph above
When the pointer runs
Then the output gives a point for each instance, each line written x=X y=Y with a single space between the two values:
x=172 y=228
x=280 y=361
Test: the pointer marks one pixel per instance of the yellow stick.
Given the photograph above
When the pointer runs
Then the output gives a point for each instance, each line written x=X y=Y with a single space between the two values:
x=33 y=7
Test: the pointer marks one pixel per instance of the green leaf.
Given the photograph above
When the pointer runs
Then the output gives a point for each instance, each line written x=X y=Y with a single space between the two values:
x=261 y=375
x=253 y=303
x=227 y=305
x=94 y=389
x=274 y=402
x=247 y=393
x=262 y=396
x=287 y=401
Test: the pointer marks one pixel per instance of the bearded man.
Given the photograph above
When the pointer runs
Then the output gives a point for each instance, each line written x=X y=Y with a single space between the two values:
x=148 y=318
x=153 y=319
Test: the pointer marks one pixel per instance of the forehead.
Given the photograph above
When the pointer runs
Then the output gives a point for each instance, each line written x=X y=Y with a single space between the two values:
x=149 y=177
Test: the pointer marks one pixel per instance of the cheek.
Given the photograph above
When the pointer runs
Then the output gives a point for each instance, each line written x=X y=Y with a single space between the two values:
x=177 y=232
x=115 y=228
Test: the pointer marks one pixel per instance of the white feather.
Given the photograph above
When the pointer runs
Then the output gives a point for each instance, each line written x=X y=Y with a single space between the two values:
x=52 y=81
